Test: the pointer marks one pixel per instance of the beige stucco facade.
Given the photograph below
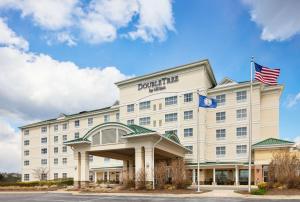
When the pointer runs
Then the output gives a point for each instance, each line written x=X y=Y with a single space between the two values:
x=164 y=101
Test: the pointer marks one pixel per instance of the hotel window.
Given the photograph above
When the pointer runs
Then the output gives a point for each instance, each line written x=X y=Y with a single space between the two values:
x=55 y=150
x=91 y=158
x=190 y=147
x=64 y=161
x=171 y=132
x=241 y=96
x=241 y=114
x=160 y=106
x=130 y=122
x=64 y=149
x=106 y=118
x=26 y=153
x=65 y=126
x=26 y=163
x=160 y=122
x=241 y=149
x=220 y=117
x=117 y=117
x=26 y=177
x=77 y=123
x=90 y=121
x=188 y=115
x=76 y=135
x=171 y=117
x=130 y=108
x=145 y=121
x=43 y=140
x=55 y=128
x=220 y=134
x=65 y=138
x=144 y=105
x=171 y=100
x=44 y=129
x=44 y=176
x=44 y=151
x=64 y=175
x=154 y=107
x=266 y=173
x=55 y=138
x=26 y=142
x=55 y=161
x=106 y=160
x=44 y=161
x=220 y=151
x=26 y=132
x=55 y=176
x=241 y=131
x=154 y=123
x=188 y=97
x=221 y=99
x=188 y=132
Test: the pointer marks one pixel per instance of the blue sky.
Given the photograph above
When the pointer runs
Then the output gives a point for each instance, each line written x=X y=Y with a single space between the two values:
x=134 y=39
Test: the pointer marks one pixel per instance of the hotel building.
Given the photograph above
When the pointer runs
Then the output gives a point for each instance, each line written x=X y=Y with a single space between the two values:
x=157 y=118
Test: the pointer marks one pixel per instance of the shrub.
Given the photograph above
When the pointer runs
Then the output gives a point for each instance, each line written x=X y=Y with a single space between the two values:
x=258 y=192
x=141 y=179
x=58 y=182
x=178 y=174
x=160 y=174
x=262 y=185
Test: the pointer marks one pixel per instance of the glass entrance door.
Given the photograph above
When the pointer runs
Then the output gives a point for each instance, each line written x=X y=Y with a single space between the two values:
x=222 y=177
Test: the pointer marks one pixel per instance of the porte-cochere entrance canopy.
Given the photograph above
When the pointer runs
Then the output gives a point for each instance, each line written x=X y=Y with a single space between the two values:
x=137 y=146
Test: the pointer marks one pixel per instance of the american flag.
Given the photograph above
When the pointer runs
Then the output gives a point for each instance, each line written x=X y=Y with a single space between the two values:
x=266 y=75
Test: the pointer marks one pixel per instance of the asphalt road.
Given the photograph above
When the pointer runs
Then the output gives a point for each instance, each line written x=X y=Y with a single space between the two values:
x=51 y=197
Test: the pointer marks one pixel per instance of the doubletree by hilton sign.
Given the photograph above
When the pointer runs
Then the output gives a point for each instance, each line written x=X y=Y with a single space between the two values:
x=159 y=84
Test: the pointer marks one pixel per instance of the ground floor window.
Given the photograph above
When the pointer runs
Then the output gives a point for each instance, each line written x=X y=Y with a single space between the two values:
x=223 y=177
x=243 y=177
x=55 y=176
x=26 y=177
x=266 y=173
x=44 y=176
x=64 y=175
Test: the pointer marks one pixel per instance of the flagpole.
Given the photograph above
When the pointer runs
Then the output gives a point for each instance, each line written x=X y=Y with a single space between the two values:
x=250 y=126
x=198 y=150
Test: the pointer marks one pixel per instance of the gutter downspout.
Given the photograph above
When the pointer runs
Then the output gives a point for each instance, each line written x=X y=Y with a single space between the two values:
x=153 y=179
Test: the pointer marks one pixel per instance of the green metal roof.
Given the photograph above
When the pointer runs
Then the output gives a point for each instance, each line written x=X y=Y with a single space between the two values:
x=172 y=136
x=77 y=141
x=138 y=130
x=272 y=142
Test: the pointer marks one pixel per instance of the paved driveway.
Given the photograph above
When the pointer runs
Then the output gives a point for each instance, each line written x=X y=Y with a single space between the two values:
x=57 y=197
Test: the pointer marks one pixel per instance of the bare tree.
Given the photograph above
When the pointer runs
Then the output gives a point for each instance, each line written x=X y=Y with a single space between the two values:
x=161 y=174
x=178 y=173
x=40 y=172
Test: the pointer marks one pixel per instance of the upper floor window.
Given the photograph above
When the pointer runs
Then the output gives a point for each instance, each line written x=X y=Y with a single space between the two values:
x=26 y=132
x=26 y=153
x=188 y=132
x=65 y=138
x=64 y=149
x=55 y=161
x=220 y=151
x=76 y=135
x=241 y=96
x=43 y=140
x=106 y=118
x=241 y=114
x=64 y=161
x=188 y=97
x=55 y=139
x=90 y=121
x=145 y=121
x=130 y=108
x=26 y=163
x=55 y=150
x=91 y=158
x=117 y=117
x=65 y=126
x=44 y=129
x=44 y=151
x=220 y=134
x=130 y=122
x=77 y=123
x=145 y=105
x=241 y=149
x=241 y=131
x=188 y=115
x=220 y=117
x=171 y=100
x=55 y=128
x=26 y=142
x=221 y=99
x=44 y=161
x=171 y=132
x=190 y=147
x=171 y=117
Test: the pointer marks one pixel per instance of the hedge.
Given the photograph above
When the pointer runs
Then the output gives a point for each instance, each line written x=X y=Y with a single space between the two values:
x=58 y=182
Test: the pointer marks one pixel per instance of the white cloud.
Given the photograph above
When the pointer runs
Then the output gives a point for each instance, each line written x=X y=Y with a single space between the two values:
x=98 y=21
x=10 y=154
x=279 y=19
x=9 y=37
x=154 y=23
x=293 y=100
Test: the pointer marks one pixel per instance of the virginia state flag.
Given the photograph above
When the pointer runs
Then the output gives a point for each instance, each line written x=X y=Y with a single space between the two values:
x=207 y=102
